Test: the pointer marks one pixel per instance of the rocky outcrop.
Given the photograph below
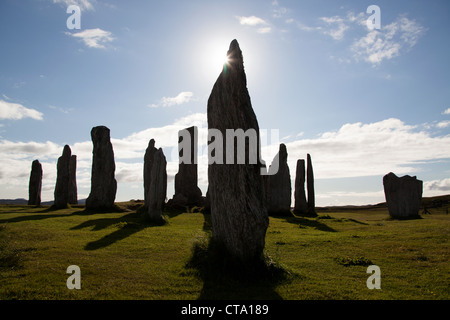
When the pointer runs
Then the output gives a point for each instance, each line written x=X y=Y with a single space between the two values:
x=187 y=192
x=403 y=195
x=279 y=191
x=35 y=185
x=103 y=182
x=301 y=205
x=238 y=214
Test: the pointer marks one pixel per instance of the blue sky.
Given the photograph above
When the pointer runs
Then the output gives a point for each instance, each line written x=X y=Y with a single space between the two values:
x=362 y=102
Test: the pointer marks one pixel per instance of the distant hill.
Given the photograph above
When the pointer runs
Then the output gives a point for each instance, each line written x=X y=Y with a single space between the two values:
x=427 y=202
x=22 y=201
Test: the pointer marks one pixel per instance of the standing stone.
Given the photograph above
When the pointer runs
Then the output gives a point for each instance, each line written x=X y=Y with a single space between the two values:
x=301 y=206
x=279 y=191
x=157 y=187
x=238 y=214
x=35 y=185
x=310 y=188
x=62 y=179
x=403 y=195
x=148 y=163
x=73 y=195
x=187 y=192
x=103 y=183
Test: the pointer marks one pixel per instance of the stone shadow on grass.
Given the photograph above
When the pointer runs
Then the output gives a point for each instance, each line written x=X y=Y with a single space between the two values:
x=126 y=225
x=309 y=222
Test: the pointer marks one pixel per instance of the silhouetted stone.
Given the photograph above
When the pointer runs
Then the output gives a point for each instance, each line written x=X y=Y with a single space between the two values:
x=238 y=214
x=103 y=183
x=301 y=205
x=403 y=195
x=187 y=192
x=157 y=187
x=35 y=185
x=310 y=188
x=73 y=194
x=148 y=163
x=279 y=191
x=62 y=179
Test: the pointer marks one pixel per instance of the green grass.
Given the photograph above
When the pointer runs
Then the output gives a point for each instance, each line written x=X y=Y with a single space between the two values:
x=121 y=256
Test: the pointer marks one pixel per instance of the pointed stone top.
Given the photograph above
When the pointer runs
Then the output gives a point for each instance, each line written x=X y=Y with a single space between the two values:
x=66 y=151
x=235 y=54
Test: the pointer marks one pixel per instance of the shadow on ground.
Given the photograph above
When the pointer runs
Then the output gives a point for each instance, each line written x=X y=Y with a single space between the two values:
x=127 y=225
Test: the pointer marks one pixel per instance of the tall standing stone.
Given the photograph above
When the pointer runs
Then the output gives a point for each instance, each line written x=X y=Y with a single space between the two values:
x=238 y=214
x=279 y=191
x=73 y=194
x=35 y=185
x=301 y=205
x=403 y=195
x=62 y=179
x=103 y=182
x=157 y=190
x=187 y=192
x=148 y=163
x=310 y=188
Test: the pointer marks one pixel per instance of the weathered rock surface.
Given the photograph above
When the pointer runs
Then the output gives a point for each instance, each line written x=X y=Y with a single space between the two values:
x=62 y=179
x=103 y=182
x=157 y=190
x=279 y=190
x=310 y=188
x=73 y=194
x=301 y=205
x=148 y=163
x=403 y=195
x=187 y=192
x=238 y=214
x=35 y=185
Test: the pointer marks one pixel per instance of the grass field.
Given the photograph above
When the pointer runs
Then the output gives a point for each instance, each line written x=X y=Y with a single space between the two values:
x=123 y=257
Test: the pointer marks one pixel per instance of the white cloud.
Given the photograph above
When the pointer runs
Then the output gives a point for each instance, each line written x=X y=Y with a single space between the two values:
x=436 y=187
x=251 y=21
x=443 y=124
x=357 y=149
x=264 y=30
x=15 y=111
x=93 y=38
x=83 y=4
x=446 y=111
x=338 y=29
x=388 y=42
x=182 y=97
x=255 y=22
